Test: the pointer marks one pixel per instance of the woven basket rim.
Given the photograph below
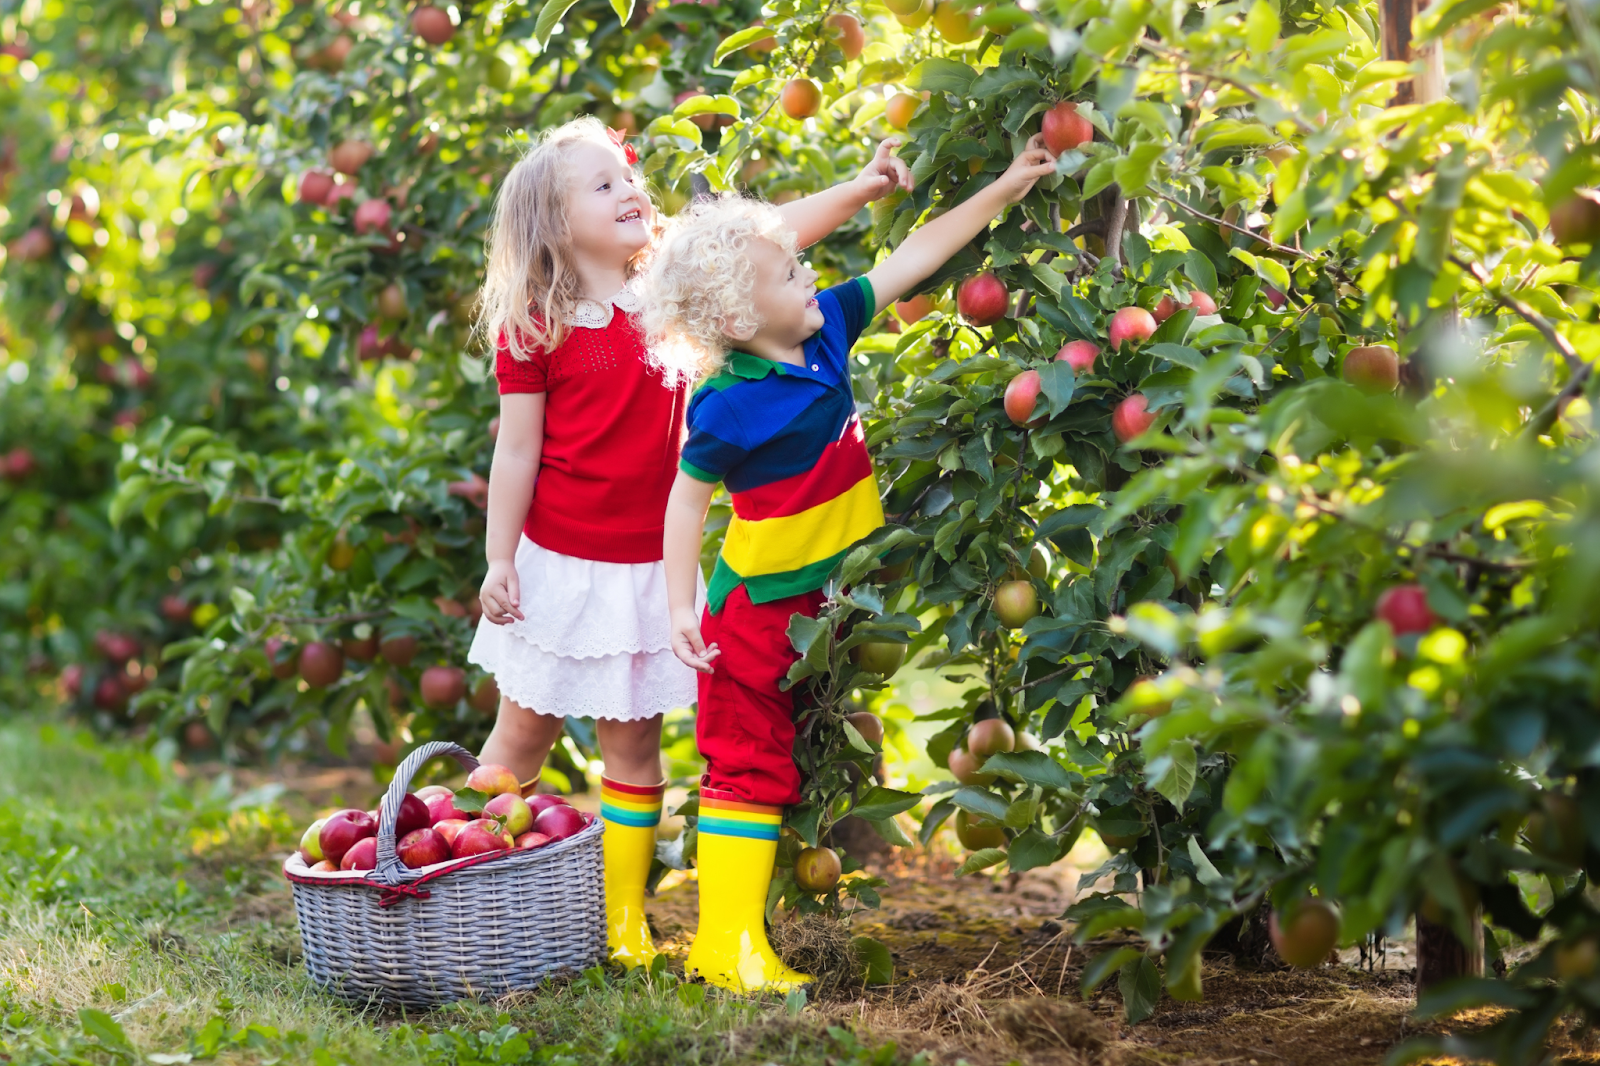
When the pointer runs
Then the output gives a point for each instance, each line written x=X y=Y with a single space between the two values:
x=296 y=870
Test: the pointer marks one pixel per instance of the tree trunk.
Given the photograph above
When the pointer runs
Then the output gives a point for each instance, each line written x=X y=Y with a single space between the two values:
x=1441 y=956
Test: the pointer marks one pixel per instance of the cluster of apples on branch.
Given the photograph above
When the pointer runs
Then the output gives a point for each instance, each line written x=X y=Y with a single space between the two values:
x=436 y=824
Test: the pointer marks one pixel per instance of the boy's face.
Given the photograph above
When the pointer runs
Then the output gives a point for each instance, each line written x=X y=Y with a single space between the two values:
x=607 y=214
x=785 y=296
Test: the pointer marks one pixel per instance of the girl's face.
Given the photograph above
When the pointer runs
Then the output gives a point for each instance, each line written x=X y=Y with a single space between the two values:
x=607 y=214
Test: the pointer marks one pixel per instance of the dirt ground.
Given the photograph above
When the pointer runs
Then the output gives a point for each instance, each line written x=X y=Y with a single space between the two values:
x=985 y=973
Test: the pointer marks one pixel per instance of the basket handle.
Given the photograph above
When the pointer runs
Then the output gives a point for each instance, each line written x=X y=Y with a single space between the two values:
x=390 y=870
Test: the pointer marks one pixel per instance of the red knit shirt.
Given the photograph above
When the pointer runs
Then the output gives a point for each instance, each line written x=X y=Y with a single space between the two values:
x=612 y=431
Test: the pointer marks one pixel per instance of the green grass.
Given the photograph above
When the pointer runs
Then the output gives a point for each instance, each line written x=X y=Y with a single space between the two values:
x=143 y=919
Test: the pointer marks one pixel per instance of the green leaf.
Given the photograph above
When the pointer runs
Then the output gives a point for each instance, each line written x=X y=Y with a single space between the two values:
x=1104 y=965
x=981 y=859
x=1261 y=27
x=707 y=105
x=1020 y=814
x=941 y=75
x=1172 y=772
x=884 y=802
x=471 y=800
x=105 y=1028
x=1140 y=984
x=1178 y=353
x=980 y=801
x=890 y=830
x=624 y=10
x=1033 y=849
x=877 y=965
x=127 y=495
x=549 y=15
x=1057 y=382
x=856 y=740
x=1031 y=768
x=691 y=995
x=734 y=41
x=1204 y=870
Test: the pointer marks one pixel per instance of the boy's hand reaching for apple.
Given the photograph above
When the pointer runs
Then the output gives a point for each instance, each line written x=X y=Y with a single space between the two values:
x=885 y=173
x=1034 y=162
x=687 y=643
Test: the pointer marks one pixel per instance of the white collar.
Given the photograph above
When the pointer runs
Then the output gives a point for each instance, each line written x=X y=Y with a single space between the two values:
x=592 y=314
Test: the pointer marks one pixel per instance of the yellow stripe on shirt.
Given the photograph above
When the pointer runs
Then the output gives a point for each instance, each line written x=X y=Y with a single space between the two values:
x=778 y=545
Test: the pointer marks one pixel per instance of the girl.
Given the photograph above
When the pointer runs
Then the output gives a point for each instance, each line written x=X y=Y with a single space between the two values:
x=575 y=618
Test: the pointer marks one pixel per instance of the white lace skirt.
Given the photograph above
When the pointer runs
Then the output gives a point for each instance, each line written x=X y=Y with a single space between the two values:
x=595 y=640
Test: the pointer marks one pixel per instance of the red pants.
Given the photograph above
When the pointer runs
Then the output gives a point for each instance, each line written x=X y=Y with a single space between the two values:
x=745 y=725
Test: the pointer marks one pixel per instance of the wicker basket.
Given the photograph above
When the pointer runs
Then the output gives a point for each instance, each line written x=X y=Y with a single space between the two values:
x=483 y=925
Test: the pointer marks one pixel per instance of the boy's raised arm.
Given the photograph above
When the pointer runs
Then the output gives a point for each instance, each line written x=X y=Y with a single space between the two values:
x=814 y=217
x=928 y=247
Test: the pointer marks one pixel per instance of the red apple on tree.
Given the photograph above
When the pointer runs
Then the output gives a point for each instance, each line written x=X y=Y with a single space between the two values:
x=373 y=216
x=1079 y=355
x=1131 y=325
x=989 y=737
x=982 y=299
x=1576 y=220
x=1015 y=602
x=1022 y=396
x=801 y=98
x=350 y=155
x=1372 y=368
x=817 y=870
x=1405 y=608
x=1065 y=128
x=1304 y=933
x=315 y=187
x=443 y=686
x=964 y=767
x=175 y=609
x=914 y=308
x=1130 y=418
x=1274 y=297
x=321 y=664
x=398 y=650
x=111 y=694
x=847 y=31
x=1201 y=302
x=432 y=25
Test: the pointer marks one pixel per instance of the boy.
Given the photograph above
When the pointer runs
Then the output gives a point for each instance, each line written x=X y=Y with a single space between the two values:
x=777 y=423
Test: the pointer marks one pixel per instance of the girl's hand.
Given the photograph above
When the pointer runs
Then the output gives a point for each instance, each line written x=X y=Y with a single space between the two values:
x=1034 y=163
x=688 y=645
x=885 y=173
x=500 y=596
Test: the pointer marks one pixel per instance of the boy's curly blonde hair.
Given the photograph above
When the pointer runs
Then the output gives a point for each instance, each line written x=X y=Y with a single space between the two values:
x=699 y=289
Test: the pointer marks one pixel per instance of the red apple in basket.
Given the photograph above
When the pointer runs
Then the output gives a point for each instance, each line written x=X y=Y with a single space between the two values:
x=513 y=812
x=310 y=844
x=422 y=847
x=543 y=803
x=342 y=830
x=476 y=839
x=441 y=808
x=530 y=840
x=450 y=828
x=558 y=823
x=414 y=815
x=427 y=792
x=493 y=780
x=324 y=867
x=363 y=855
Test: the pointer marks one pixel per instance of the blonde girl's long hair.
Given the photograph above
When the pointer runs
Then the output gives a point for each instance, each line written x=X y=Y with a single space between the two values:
x=530 y=286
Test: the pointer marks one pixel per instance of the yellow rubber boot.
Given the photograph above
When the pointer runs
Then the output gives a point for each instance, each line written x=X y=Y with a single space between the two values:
x=738 y=843
x=631 y=814
x=530 y=786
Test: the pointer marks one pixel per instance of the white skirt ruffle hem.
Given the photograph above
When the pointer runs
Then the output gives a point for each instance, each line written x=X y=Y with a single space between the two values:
x=595 y=640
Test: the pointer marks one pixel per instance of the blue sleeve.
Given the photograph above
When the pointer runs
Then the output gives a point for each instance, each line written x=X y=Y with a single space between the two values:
x=845 y=313
x=715 y=442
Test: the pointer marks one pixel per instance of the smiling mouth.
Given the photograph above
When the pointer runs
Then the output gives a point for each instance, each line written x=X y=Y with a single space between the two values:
x=811 y=302
x=630 y=216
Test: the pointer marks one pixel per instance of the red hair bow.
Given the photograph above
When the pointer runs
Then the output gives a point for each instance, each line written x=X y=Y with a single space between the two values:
x=620 y=139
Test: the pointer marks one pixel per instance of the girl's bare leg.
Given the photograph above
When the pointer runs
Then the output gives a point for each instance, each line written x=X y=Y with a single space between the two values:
x=631 y=750
x=522 y=738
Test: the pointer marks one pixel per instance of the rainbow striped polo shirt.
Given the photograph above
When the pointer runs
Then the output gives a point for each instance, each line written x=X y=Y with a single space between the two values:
x=787 y=443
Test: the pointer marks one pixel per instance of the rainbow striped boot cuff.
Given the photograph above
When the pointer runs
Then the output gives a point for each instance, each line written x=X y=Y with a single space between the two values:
x=635 y=805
